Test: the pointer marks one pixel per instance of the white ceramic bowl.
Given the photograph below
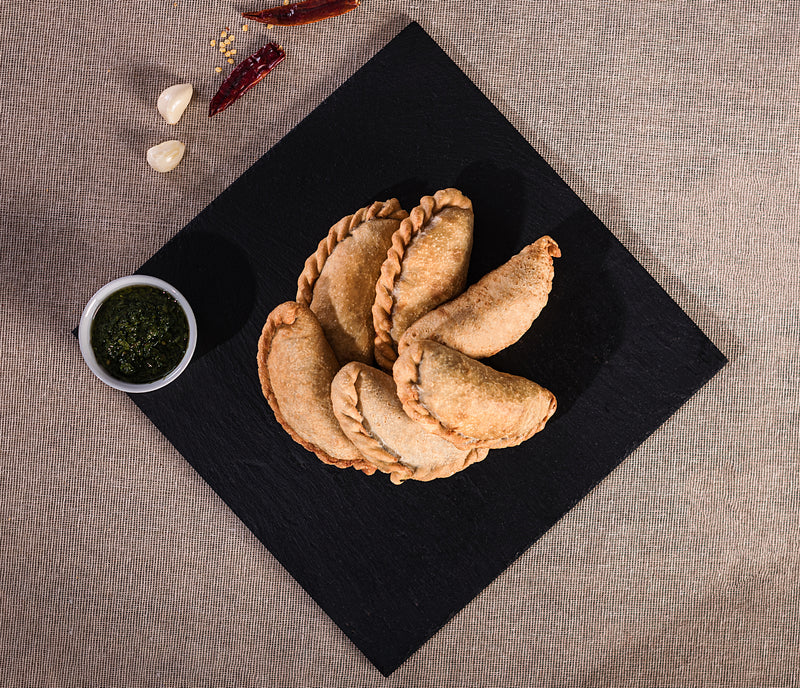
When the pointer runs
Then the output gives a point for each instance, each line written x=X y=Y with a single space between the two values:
x=85 y=332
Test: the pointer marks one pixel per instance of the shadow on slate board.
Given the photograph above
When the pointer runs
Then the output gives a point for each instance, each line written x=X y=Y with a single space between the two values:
x=389 y=564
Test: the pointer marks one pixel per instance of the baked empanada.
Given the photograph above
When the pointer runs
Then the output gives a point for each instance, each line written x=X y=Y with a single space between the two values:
x=467 y=402
x=366 y=405
x=495 y=311
x=425 y=266
x=338 y=281
x=296 y=365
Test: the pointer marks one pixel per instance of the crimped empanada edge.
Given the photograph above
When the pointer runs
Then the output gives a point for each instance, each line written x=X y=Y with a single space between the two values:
x=406 y=377
x=475 y=455
x=285 y=315
x=379 y=210
x=385 y=346
x=344 y=398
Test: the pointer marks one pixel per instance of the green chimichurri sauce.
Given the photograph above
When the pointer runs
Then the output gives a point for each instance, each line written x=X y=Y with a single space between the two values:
x=139 y=334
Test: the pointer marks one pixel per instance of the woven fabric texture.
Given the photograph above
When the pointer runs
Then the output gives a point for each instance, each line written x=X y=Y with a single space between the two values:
x=676 y=121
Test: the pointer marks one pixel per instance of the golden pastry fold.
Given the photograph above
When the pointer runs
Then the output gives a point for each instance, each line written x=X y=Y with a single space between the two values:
x=366 y=405
x=338 y=280
x=425 y=266
x=466 y=402
x=495 y=311
x=296 y=366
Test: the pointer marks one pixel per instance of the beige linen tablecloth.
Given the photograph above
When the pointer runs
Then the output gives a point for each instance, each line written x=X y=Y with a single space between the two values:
x=677 y=122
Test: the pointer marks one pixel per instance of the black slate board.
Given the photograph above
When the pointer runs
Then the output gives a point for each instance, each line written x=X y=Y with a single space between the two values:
x=389 y=564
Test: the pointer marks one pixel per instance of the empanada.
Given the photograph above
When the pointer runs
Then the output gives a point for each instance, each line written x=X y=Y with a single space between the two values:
x=366 y=405
x=296 y=365
x=495 y=311
x=338 y=281
x=467 y=402
x=425 y=266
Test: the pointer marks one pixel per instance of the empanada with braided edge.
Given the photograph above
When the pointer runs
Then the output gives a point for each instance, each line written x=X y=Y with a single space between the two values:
x=425 y=266
x=466 y=402
x=338 y=280
x=296 y=366
x=366 y=405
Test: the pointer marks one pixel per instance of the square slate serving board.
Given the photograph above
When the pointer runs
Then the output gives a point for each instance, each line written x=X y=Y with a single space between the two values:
x=390 y=564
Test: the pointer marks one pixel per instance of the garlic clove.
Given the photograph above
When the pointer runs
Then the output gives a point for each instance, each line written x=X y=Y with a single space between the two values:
x=173 y=101
x=165 y=156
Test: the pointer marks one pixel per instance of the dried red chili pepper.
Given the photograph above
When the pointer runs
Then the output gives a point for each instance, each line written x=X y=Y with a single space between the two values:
x=303 y=12
x=251 y=70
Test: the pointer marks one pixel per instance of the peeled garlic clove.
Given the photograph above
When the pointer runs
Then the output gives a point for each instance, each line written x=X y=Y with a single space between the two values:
x=173 y=101
x=165 y=156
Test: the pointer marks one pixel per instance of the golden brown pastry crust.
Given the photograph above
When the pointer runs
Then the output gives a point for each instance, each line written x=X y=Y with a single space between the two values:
x=467 y=402
x=338 y=280
x=425 y=266
x=366 y=405
x=495 y=311
x=296 y=366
